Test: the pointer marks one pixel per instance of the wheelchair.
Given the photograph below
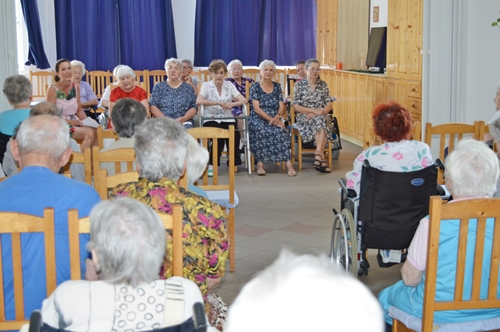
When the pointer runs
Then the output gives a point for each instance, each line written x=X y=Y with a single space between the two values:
x=384 y=216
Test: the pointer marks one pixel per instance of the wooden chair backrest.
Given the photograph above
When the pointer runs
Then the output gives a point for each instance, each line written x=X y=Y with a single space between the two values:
x=84 y=158
x=99 y=81
x=465 y=211
x=155 y=77
x=15 y=224
x=102 y=134
x=371 y=139
x=203 y=75
x=109 y=182
x=449 y=134
x=82 y=226
x=252 y=73
x=247 y=93
x=41 y=81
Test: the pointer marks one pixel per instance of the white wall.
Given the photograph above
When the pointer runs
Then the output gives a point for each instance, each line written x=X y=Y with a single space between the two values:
x=8 y=49
x=184 y=12
x=382 y=13
x=47 y=15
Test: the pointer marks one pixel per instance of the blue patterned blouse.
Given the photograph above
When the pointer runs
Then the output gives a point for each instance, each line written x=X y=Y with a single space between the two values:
x=173 y=103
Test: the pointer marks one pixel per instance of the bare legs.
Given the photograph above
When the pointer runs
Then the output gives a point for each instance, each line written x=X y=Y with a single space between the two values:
x=85 y=134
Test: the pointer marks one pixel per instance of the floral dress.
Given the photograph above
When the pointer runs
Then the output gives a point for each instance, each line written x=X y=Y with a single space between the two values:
x=237 y=111
x=319 y=98
x=402 y=156
x=267 y=143
x=174 y=102
x=68 y=105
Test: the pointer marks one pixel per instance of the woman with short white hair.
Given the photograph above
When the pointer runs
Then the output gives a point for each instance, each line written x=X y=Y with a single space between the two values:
x=196 y=163
x=128 y=246
x=174 y=98
x=127 y=88
x=87 y=95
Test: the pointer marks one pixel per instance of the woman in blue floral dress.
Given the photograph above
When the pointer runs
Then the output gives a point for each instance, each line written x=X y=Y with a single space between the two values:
x=174 y=98
x=269 y=138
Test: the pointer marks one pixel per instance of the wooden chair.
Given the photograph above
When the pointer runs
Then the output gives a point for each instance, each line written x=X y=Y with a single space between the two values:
x=102 y=134
x=116 y=156
x=142 y=77
x=203 y=75
x=209 y=133
x=475 y=253
x=81 y=158
x=450 y=133
x=371 y=139
x=82 y=226
x=252 y=73
x=16 y=224
x=41 y=80
x=99 y=81
x=106 y=183
x=156 y=76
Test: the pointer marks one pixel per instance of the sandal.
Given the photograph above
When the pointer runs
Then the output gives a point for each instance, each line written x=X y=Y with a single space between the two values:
x=320 y=165
x=260 y=169
x=291 y=171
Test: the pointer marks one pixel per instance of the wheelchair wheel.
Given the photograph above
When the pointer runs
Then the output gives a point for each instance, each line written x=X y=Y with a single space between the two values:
x=335 y=154
x=344 y=246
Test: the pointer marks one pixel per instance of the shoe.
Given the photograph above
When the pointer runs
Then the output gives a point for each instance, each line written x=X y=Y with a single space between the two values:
x=291 y=171
x=320 y=165
x=260 y=169
x=210 y=171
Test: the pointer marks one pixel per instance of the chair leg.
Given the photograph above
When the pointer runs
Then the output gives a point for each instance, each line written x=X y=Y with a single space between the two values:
x=232 y=263
x=330 y=159
x=299 y=149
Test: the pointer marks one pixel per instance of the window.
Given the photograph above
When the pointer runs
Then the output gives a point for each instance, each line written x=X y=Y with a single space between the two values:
x=22 y=40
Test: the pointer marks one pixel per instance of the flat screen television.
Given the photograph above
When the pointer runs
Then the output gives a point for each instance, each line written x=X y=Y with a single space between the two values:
x=377 y=45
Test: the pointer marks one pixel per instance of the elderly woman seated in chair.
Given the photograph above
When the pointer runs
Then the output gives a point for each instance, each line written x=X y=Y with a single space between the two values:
x=392 y=123
x=128 y=246
x=471 y=171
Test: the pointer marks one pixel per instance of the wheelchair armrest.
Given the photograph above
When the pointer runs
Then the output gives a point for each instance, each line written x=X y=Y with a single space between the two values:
x=200 y=321
x=350 y=193
x=440 y=191
x=439 y=164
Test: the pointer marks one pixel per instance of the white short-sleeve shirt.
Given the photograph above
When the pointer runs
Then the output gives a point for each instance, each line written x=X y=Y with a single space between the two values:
x=228 y=92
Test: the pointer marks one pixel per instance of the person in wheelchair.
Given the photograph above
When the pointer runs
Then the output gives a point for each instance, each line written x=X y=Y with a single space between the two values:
x=128 y=245
x=393 y=124
x=471 y=171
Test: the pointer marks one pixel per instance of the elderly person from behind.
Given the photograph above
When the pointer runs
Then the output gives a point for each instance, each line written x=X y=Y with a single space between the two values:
x=311 y=100
x=161 y=148
x=270 y=141
x=187 y=68
x=127 y=240
x=304 y=293
x=219 y=98
x=471 y=171
x=127 y=88
x=174 y=98
x=18 y=91
x=87 y=95
x=392 y=123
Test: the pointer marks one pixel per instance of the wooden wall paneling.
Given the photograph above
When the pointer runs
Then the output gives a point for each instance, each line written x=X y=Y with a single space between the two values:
x=415 y=40
x=320 y=38
x=402 y=59
x=332 y=17
x=360 y=105
x=392 y=40
x=352 y=32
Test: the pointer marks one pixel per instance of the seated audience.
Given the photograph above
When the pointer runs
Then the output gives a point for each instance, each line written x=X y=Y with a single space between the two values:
x=87 y=95
x=127 y=88
x=304 y=293
x=174 y=98
x=66 y=96
x=18 y=91
x=311 y=101
x=41 y=148
x=127 y=240
x=10 y=165
x=104 y=102
x=471 y=171
x=196 y=163
x=161 y=148
x=236 y=77
x=269 y=139
x=300 y=67
x=392 y=123
x=187 y=68
x=219 y=97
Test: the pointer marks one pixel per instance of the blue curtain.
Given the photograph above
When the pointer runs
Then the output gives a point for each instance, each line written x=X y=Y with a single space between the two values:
x=105 y=33
x=36 y=53
x=279 y=30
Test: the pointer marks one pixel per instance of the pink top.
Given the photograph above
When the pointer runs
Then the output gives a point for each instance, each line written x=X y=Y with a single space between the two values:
x=67 y=103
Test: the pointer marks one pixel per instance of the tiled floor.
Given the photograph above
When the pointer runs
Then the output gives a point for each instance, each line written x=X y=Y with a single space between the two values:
x=276 y=211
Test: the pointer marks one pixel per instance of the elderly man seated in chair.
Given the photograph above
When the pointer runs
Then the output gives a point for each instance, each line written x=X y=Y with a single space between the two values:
x=41 y=147
x=471 y=171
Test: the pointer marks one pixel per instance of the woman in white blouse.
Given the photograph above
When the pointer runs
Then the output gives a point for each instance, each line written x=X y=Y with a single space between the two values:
x=219 y=97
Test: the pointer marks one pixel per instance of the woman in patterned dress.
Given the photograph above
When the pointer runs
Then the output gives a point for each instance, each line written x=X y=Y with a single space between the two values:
x=66 y=96
x=235 y=68
x=311 y=100
x=174 y=98
x=392 y=123
x=269 y=138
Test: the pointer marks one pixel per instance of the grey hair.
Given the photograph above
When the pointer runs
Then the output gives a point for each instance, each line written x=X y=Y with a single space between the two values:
x=125 y=71
x=234 y=62
x=471 y=170
x=310 y=61
x=268 y=301
x=45 y=107
x=44 y=134
x=494 y=129
x=17 y=89
x=196 y=159
x=188 y=62
x=129 y=240
x=160 y=149
x=76 y=63
x=178 y=62
x=127 y=115
x=265 y=63
x=115 y=71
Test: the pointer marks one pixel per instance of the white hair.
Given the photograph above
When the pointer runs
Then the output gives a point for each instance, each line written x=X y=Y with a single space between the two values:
x=115 y=71
x=234 y=62
x=266 y=63
x=178 y=62
x=471 y=170
x=196 y=159
x=76 y=63
x=160 y=148
x=125 y=71
x=44 y=134
x=129 y=240
x=304 y=293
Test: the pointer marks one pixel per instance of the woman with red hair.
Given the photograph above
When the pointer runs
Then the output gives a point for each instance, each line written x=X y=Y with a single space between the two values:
x=392 y=123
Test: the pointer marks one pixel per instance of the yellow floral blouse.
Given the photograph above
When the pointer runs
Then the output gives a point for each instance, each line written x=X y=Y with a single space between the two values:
x=204 y=232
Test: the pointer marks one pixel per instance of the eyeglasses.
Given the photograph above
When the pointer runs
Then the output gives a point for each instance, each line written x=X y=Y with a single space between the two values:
x=316 y=70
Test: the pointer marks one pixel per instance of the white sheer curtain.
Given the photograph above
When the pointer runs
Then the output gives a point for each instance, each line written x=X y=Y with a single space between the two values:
x=8 y=53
